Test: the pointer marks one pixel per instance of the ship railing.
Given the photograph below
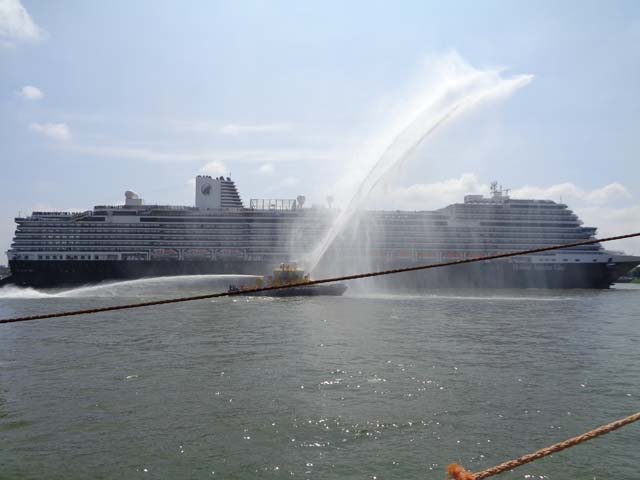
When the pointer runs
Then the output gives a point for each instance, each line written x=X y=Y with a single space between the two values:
x=59 y=214
x=273 y=204
x=143 y=207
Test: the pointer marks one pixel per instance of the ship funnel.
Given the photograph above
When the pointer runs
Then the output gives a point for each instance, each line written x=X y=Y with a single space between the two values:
x=216 y=193
x=131 y=199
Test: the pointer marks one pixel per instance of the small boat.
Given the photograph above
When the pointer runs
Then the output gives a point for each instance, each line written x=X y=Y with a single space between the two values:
x=289 y=274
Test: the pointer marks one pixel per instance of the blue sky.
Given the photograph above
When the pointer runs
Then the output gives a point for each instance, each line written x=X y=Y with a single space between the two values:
x=100 y=97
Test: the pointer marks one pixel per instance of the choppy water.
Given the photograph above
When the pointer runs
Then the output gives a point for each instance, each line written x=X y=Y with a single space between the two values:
x=362 y=387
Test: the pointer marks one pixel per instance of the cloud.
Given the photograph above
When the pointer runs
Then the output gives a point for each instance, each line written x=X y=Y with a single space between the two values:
x=266 y=169
x=165 y=156
x=16 y=25
x=289 y=181
x=431 y=196
x=29 y=92
x=214 y=169
x=569 y=192
x=439 y=194
x=233 y=129
x=55 y=131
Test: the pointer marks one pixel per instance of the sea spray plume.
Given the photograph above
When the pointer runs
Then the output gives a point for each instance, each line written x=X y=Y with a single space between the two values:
x=151 y=286
x=458 y=88
x=10 y=291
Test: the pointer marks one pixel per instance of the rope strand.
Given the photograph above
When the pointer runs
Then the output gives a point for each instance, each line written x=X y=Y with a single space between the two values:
x=316 y=282
x=457 y=472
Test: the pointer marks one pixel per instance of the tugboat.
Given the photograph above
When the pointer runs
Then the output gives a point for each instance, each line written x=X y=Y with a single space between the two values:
x=289 y=274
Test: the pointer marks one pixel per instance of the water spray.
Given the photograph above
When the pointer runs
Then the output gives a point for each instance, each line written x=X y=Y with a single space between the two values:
x=461 y=89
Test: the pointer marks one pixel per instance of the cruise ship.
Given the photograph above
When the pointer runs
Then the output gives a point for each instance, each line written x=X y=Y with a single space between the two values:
x=220 y=235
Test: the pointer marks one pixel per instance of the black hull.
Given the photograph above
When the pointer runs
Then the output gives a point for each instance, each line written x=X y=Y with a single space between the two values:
x=47 y=274
x=497 y=274
x=494 y=274
x=334 y=290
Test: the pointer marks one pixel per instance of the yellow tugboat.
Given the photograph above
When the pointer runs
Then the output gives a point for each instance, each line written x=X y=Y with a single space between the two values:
x=290 y=274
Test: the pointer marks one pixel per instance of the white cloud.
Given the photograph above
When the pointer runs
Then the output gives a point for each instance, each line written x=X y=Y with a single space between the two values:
x=29 y=92
x=432 y=195
x=440 y=194
x=214 y=169
x=569 y=192
x=233 y=129
x=266 y=169
x=54 y=131
x=165 y=156
x=289 y=181
x=16 y=25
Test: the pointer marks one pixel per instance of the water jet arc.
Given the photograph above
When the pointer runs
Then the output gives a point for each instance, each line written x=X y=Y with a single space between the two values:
x=407 y=141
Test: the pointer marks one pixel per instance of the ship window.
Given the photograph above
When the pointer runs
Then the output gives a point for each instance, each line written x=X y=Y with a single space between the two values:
x=39 y=257
x=577 y=259
x=47 y=257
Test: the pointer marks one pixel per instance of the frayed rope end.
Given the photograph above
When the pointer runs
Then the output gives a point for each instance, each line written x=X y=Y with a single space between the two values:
x=457 y=472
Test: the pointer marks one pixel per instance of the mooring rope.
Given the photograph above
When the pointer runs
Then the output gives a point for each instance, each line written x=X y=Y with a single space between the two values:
x=315 y=282
x=457 y=472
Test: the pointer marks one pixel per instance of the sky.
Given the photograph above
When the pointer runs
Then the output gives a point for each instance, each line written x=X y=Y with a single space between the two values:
x=291 y=98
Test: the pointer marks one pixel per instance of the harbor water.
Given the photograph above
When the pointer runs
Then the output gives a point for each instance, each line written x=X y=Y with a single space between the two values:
x=364 y=386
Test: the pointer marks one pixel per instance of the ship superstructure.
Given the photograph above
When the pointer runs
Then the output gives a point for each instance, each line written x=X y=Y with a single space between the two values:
x=483 y=226
x=480 y=226
x=220 y=235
